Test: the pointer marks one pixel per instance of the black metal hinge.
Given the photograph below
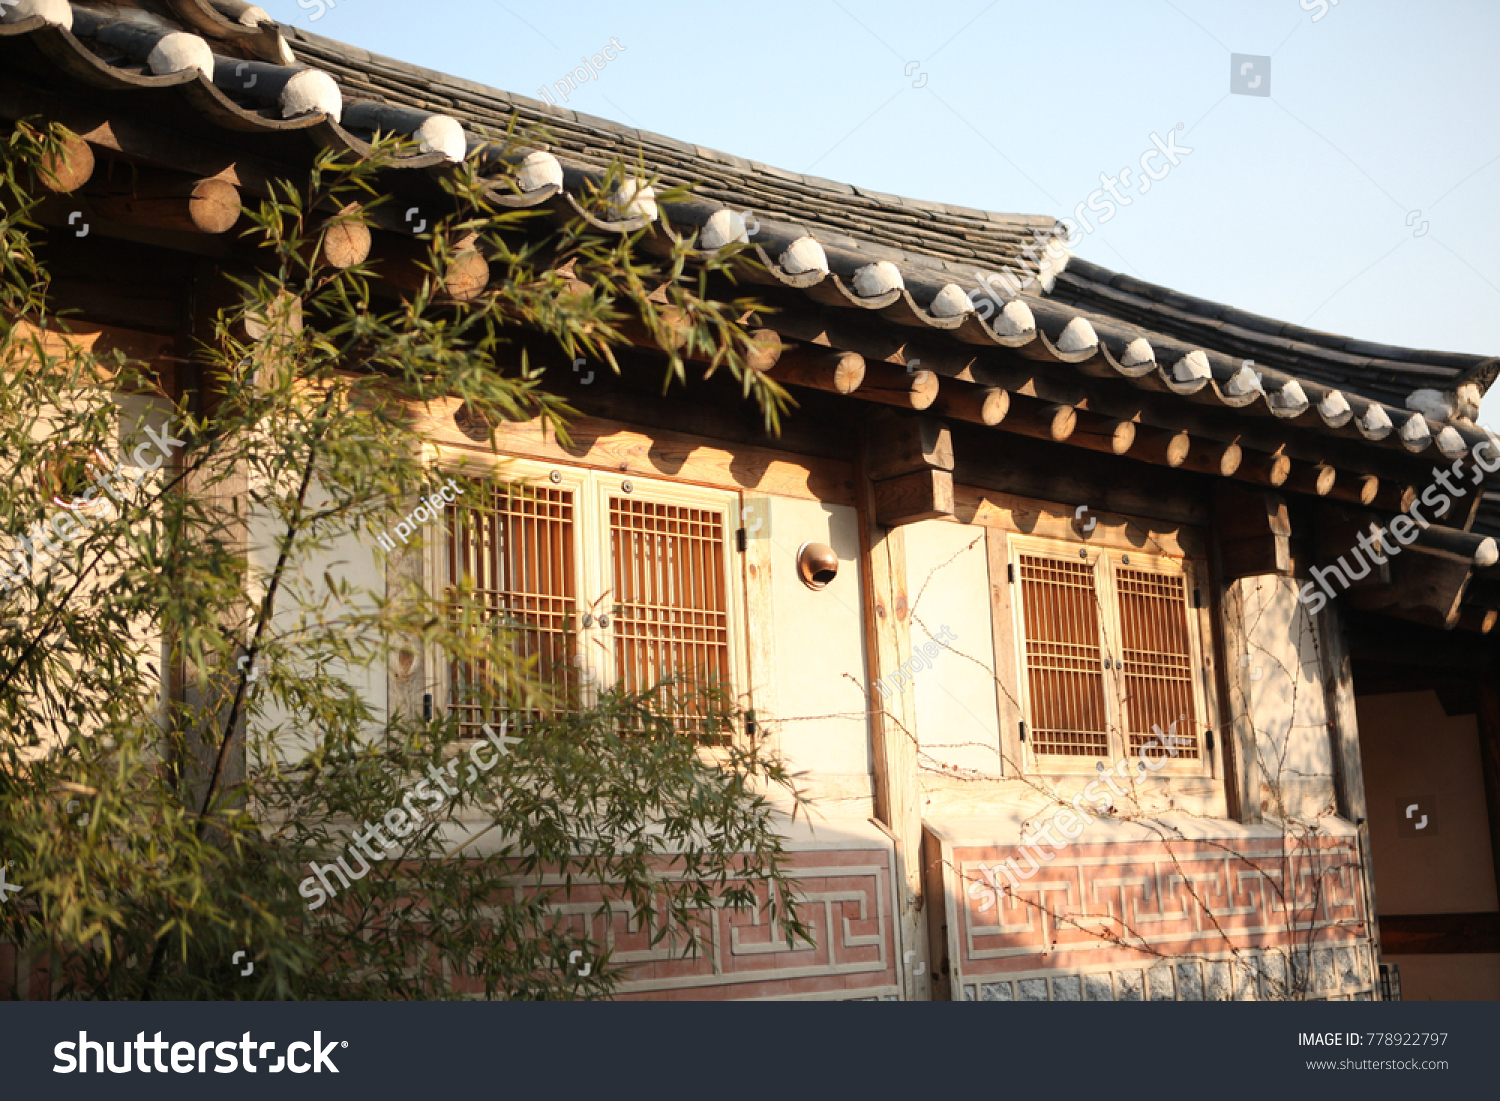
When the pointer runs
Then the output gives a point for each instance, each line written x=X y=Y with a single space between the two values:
x=1197 y=598
x=1010 y=572
x=741 y=540
x=427 y=708
x=1023 y=730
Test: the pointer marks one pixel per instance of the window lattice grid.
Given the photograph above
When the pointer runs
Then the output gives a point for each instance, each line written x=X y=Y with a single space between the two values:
x=671 y=601
x=516 y=549
x=1063 y=658
x=1158 y=660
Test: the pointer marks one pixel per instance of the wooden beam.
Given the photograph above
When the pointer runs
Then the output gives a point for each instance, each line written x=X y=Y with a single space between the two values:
x=1003 y=369
x=1479 y=551
x=1057 y=421
x=403 y=262
x=986 y=405
x=1358 y=489
x=764 y=351
x=1342 y=533
x=1215 y=457
x=154 y=350
x=165 y=200
x=1103 y=434
x=1423 y=589
x=895 y=386
x=339 y=241
x=69 y=168
x=1254 y=532
x=1046 y=471
x=607 y=444
x=1161 y=446
x=1479 y=620
x=1265 y=469
x=1313 y=478
x=1383 y=641
x=819 y=369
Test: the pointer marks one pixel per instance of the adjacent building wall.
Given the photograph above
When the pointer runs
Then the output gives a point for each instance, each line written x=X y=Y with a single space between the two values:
x=1415 y=755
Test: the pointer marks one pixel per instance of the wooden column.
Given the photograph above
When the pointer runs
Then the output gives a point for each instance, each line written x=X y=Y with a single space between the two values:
x=1237 y=737
x=893 y=728
x=212 y=292
x=1348 y=763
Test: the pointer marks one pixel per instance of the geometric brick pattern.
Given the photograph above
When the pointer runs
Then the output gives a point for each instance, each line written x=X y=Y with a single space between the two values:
x=1201 y=919
x=848 y=903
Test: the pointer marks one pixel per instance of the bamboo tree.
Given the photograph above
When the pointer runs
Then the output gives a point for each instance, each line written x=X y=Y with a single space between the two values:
x=182 y=727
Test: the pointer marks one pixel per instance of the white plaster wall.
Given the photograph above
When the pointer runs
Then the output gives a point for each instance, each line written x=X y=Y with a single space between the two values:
x=819 y=711
x=135 y=414
x=1283 y=672
x=352 y=558
x=947 y=578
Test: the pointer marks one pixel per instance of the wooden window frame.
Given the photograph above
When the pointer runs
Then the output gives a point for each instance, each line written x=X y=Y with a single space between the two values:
x=592 y=555
x=1199 y=636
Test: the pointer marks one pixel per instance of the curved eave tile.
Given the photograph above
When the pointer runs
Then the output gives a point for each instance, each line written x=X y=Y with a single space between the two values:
x=1062 y=335
x=66 y=52
x=999 y=329
x=507 y=196
x=62 y=49
x=905 y=311
x=834 y=291
x=1123 y=358
x=566 y=206
x=771 y=271
x=262 y=39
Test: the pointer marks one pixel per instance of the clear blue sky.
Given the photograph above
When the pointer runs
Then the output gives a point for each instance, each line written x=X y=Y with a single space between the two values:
x=1299 y=205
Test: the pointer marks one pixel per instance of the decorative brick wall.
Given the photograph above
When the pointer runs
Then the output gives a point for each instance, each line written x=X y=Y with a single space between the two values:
x=1155 y=920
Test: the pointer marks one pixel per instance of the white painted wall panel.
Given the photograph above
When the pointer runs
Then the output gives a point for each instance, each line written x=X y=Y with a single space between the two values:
x=948 y=585
x=1284 y=670
x=820 y=699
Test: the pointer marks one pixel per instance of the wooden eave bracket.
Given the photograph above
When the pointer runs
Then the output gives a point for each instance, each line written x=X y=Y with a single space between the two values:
x=909 y=460
x=1254 y=531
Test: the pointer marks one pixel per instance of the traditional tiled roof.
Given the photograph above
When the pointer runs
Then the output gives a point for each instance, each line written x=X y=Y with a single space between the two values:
x=916 y=264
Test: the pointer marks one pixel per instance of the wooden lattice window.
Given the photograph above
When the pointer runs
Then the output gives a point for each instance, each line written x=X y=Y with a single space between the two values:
x=517 y=549
x=1064 y=658
x=1157 y=659
x=605 y=581
x=671 y=603
x=1110 y=655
